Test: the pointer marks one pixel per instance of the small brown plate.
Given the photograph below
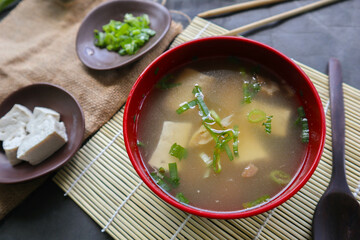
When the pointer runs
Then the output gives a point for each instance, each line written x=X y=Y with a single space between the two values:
x=102 y=59
x=58 y=99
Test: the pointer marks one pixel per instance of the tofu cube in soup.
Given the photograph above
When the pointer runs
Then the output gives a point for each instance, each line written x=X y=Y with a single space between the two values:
x=172 y=132
x=175 y=96
x=251 y=148
x=280 y=120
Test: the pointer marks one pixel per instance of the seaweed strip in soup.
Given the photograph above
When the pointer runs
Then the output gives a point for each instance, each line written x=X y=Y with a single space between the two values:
x=222 y=134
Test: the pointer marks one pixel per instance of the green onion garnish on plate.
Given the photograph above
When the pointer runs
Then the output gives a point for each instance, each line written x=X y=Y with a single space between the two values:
x=125 y=37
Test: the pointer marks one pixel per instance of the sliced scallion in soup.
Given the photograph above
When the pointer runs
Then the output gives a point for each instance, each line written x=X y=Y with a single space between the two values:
x=222 y=135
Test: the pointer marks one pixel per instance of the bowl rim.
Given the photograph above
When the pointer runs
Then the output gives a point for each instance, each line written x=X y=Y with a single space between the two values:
x=261 y=208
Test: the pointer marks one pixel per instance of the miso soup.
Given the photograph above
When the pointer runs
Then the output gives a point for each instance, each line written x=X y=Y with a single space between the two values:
x=222 y=134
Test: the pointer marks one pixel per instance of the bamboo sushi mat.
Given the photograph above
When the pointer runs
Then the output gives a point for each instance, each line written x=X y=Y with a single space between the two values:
x=102 y=181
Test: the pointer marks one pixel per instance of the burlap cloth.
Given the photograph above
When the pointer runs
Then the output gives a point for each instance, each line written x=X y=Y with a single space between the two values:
x=37 y=44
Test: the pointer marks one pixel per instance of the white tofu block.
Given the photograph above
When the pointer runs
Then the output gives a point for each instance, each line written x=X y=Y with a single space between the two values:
x=172 y=132
x=18 y=112
x=10 y=126
x=17 y=117
x=40 y=144
x=183 y=93
x=281 y=117
x=12 y=143
x=250 y=149
x=38 y=115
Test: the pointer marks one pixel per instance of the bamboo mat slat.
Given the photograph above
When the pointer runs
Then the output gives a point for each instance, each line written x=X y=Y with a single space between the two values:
x=102 y=181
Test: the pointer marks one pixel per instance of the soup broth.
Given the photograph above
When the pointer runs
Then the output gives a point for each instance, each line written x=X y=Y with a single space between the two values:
x=246 y=101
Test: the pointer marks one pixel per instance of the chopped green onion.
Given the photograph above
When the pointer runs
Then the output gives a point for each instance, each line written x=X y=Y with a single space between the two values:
x=256 y=87
x=140 y=144
x=5 y=3
x=304 y=124
x=301 y=112
x=200 y=99
x=267 y=124
x=250 y=88
x=186 y=106
x=304 y=130
x=174 y=177
x=162 y=171
x=216 y=117
x=166 y=82
x=148 y=31
x=247 y=93
x=256 y=116
x=156 y=71
x=178 y=151
x=160 y=181
x=236 y=141
x=243 y=71
x=164 y=181
x=280 y=177
x=228 y=152
x=257 y=201
x=220 y=132
x=182 y=198
x=216 y=161
x=207 y=160
x=126 y=37
x=221 y=137
x=212 y=133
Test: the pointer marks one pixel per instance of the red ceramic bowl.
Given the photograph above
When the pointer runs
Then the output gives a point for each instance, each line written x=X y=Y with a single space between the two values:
x=257 y=52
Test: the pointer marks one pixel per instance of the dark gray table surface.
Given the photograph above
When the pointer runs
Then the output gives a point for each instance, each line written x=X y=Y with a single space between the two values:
x=311 y=38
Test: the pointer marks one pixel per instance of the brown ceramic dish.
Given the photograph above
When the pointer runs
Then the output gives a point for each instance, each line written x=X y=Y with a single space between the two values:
x=58 y=99
x=101 y=59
